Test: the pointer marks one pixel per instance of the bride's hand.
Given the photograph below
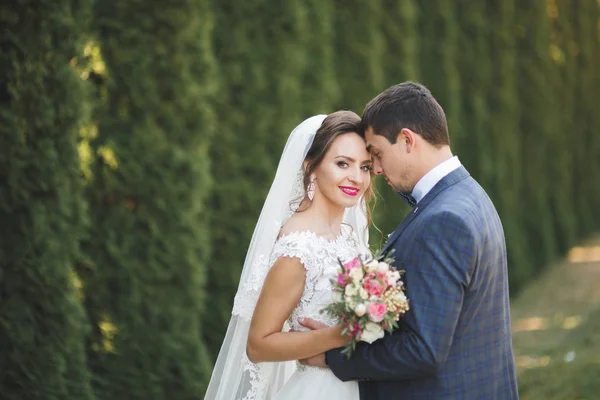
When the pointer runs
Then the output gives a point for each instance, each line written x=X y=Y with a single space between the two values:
x=336 y=331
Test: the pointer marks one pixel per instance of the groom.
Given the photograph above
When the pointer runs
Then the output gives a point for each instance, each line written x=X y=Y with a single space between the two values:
x=455 y=342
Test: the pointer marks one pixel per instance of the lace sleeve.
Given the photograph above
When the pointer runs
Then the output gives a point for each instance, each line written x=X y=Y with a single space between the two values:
x=305 y=246
x=295 y=245
x=299 y=245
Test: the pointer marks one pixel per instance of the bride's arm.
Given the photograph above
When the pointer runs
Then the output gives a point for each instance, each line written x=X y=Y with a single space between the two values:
x=281 y=293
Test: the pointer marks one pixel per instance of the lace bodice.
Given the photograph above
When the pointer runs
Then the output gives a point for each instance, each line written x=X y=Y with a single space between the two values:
x=319 y=256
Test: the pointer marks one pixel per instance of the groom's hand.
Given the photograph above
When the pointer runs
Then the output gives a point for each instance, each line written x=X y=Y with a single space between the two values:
x=312 y=324
x=334 y=332
x=319 y=359
x=315 y=361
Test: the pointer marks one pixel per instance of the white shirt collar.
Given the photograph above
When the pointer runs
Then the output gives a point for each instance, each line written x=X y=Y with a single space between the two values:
x=430 y=179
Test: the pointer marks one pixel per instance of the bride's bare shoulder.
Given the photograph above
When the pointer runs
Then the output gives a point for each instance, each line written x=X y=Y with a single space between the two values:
x=294 y=224
x=297 y=223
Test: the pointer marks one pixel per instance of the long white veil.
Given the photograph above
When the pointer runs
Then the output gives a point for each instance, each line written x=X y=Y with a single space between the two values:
x=234 y=377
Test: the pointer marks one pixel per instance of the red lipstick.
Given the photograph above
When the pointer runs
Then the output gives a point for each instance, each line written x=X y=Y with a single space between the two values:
x=350 y=190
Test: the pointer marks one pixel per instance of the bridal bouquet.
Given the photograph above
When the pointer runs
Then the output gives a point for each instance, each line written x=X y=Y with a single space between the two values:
x=368 y=299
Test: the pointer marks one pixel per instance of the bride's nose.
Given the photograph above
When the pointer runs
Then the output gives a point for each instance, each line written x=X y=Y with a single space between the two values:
x=355 y=177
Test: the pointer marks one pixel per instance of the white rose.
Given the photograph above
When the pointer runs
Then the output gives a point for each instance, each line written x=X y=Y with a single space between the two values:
x=371 y=333
x=360 y=309
x=383 y=267
x=392 y=277
x=372 y=266
x=336 y=296
x=363 y=293
x=356 y=274
x=350 y=290
x=350 y=304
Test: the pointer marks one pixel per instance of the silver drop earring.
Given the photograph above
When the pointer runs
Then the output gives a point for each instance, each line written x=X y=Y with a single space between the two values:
x=310 y=190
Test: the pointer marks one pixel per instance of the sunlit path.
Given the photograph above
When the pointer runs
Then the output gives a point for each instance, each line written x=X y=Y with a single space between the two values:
x=556 y=325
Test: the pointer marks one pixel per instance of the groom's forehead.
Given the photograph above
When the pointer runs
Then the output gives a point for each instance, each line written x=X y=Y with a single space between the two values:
x=372 y=142
x=370 y=136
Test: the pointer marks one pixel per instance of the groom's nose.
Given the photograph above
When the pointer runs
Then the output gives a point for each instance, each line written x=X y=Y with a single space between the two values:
x=377 y=170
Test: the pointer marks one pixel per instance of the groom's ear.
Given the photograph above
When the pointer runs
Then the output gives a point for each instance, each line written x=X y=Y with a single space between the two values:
x=408 y=138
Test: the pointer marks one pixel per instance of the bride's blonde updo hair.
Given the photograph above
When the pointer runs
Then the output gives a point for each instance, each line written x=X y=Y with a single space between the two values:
x=334 y=125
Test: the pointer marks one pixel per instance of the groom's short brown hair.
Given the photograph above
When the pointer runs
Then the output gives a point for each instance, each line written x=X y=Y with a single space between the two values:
x=407 y=105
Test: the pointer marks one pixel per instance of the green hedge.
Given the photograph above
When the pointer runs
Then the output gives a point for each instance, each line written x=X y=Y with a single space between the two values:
x=399 y=23
x=43 y=104
x=149 y=237
x=504 y=160
x=178 y=146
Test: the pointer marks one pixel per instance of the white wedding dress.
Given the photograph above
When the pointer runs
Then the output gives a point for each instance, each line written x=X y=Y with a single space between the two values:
x=234 y=377
x=320 y=258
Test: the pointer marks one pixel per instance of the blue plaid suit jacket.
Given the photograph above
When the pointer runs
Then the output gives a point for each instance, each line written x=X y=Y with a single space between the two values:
x=455 y=342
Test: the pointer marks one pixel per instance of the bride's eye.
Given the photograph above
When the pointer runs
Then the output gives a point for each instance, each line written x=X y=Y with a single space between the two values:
x=342 y=164
x=367 y=168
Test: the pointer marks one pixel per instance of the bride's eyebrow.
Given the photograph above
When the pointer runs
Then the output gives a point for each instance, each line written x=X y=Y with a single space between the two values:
x=367 y=161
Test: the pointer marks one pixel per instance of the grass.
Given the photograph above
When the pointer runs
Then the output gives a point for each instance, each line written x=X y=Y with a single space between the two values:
x=556 y=330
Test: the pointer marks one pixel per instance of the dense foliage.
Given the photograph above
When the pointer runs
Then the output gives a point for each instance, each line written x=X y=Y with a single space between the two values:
x=43 y=104
x=138 y=142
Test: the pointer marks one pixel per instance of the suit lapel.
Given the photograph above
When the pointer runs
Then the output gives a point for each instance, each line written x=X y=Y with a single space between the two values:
x=452 y=178
x=400 y=228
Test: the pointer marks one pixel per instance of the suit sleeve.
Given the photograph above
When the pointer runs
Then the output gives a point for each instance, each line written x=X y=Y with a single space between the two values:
x=438 y=269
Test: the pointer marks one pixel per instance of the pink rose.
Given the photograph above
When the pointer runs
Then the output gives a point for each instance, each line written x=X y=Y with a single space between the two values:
x=354 y=329
x=382 y=278
x=341 y=279
x=376 y=311
x=366 y=284
x=373 y=287
x=355 y=263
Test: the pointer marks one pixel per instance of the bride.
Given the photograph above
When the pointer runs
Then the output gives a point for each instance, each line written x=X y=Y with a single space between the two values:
x=315 y=214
